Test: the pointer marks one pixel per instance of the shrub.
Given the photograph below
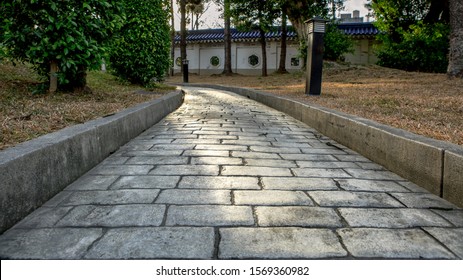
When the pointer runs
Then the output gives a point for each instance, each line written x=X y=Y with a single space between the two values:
x=336 y=43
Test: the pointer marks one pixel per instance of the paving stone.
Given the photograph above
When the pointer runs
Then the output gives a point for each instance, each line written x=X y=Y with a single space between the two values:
x=111 y=197
x=197 y=141
x=279 y=150
x=203 y=132
x=217 y=160
x=295 y=183
x=271 y=198
x=218 y=137
x=451 y=238
x=297 y=216
x=92 y=182
x=155 y=243
x=210 y=215
x=115 y=160
x=325 y=151
x=206 y=153
x=357 y=199
x=423 y=200
x=247 y=142
x=222 y=182
x=320 y=172
x=255 y=171
x=454 y=216
x=254 y=155
x=173 y=147
x=370 y=185
x=253 y=243
x=370 y=165
x=354 y=158
x=146 y=182
x=158 y=153
x=413 y=187
x=121 y=170
x=392 y=244
x=373 y=174
x=157 y=160
x=270 y=163
x=392 y=218
x=114 y=216
x=188 y=196
x=186 y=170
x=51 y=244
x=290 y=144
x=176 y=136
x=308 y=157
x=57 y=199
x=43 y=217
x=326 y=164
x=222 y=147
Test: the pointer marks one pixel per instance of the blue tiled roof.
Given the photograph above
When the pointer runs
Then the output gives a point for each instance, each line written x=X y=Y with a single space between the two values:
x=216 y=35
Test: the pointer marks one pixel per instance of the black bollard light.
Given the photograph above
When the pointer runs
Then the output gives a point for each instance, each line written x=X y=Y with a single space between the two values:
x=185 y=70
x=316 y=31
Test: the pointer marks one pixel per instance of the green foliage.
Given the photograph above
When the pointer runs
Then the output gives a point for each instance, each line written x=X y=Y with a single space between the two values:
x=336 y=43
x=424 y=47
x=73 y=33
x=140 y=53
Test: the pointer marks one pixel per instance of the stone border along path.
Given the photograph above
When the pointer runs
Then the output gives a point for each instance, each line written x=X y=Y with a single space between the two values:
x=225 y=177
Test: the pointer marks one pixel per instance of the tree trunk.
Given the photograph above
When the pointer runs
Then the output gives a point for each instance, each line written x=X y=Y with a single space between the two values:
x=183 y=30
x=263 y=44
x=455 y=68
x=284 y=35
x=172 y=37
x=53 y=77
x=227 y=66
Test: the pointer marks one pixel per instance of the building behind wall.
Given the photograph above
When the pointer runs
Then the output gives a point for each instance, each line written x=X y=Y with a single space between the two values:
x=205 y=49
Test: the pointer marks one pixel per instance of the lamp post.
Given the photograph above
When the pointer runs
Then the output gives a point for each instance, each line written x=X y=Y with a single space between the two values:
x=316 y=31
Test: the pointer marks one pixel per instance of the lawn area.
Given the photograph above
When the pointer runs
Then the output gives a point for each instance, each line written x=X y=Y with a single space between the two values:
x=24 y=116
x=422 y=103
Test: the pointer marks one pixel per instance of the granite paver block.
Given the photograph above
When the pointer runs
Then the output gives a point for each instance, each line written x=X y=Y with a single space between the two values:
x=297 y=216
x=370 y=185
x=190 y=196
x=158 y=153
x=114 y=216
x=56 y=243
x=255 y=155
x=197 y=141
x=357 y=199
x=271 y=198
x=178 y=147
x=320 y=172
x=218 y=137
x=270 y=163
x=92 y=182
x=290 y=144
x=210 y=215
x=308 y=157
x=373 y=174
x=325 y=151
x=157 y=160
x=186 y=170
x=452 y=238
x=392 y=218
x=247 y=142
x=205 y=153
x=222 y=147
x=254 y=243
x=327 y=164
x=146 y=182
x=222 y=182
x=255 y=171
x=392 y=244
x=43 y=217
x=115 y=160
x=454 y=216
x=216 y=160
x=122 y=169
x=155 y=243
x=353 y=158
x=296 y=183
x=423 y=200
x=279 y=150
x=111 y=197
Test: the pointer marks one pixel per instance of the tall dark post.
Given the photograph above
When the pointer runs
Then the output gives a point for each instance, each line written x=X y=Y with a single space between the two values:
x=185 y=70
x=316 y=29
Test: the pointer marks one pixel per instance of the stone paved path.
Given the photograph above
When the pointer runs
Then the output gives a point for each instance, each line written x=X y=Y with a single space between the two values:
x=224 y=177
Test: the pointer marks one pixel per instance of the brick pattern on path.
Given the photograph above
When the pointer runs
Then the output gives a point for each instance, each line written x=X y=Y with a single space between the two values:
x=224 y=177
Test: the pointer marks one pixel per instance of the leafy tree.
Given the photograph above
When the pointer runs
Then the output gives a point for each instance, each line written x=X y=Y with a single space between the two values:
x=414 y=34
x=336 y=43
x=140 y=52
x=68 y=37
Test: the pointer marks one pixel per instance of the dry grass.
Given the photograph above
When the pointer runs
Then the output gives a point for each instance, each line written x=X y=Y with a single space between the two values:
x=24 y=116
x=426 y=104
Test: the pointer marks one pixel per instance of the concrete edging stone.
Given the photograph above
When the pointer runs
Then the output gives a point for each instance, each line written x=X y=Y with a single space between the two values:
x=434 y=165
x=34 y=171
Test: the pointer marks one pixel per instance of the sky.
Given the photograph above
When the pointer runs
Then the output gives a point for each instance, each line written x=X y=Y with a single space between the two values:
x=212 y=17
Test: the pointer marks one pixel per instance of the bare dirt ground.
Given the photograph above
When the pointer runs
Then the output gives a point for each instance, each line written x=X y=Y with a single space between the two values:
x=422 y=103
x=24 y=116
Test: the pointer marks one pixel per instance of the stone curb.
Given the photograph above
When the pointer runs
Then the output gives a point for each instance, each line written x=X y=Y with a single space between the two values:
x=34 y=171
x=434 y=165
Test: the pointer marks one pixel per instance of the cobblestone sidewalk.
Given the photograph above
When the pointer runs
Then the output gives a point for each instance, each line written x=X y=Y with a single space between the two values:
x=224 y=177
